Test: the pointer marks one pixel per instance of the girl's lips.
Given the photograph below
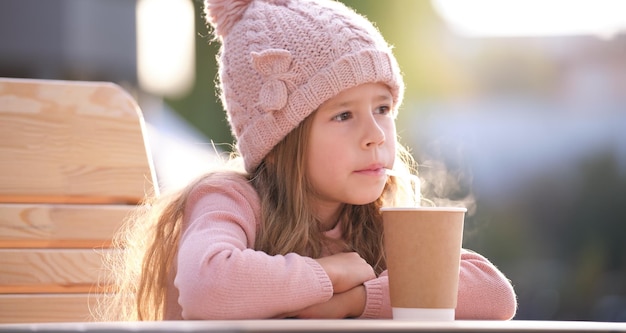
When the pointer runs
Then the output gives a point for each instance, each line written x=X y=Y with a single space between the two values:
x=374 y=170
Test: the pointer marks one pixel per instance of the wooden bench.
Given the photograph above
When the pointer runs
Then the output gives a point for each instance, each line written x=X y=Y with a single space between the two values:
x=73 y=165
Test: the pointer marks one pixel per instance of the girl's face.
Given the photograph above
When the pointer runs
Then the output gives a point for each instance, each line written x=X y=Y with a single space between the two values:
x=352 y=140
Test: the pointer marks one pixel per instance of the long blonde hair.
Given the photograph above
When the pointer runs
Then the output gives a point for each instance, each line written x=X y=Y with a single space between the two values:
x=142 y=268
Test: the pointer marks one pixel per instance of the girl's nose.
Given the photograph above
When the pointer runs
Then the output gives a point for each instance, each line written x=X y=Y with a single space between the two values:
x=373 y=134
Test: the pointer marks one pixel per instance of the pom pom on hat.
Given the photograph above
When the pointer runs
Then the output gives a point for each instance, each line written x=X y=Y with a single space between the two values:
x=223 y=14
x=281 y=59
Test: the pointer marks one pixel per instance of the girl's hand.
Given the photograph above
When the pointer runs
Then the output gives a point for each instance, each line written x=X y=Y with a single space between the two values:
x=349 y=304
x=346 y=270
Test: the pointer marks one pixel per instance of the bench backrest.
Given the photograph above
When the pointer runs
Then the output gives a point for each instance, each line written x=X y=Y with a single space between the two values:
x=73 y=164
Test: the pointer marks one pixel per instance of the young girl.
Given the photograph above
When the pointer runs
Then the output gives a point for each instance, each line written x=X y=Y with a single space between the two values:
x=311 y=90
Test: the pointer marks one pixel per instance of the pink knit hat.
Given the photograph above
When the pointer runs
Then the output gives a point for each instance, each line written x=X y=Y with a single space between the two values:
x=281 y=59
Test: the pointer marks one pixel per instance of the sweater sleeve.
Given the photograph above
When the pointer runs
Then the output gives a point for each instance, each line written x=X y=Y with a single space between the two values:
x=220 y=276
x=484 y=292
x=377 y=304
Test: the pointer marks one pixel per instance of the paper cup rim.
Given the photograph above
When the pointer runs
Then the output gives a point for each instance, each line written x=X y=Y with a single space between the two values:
x=426 y=209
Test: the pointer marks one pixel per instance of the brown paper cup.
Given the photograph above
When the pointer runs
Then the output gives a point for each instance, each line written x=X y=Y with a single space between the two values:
x=423 y=251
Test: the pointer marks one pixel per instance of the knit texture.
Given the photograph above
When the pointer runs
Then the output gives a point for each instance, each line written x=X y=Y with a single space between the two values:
x=281 y=59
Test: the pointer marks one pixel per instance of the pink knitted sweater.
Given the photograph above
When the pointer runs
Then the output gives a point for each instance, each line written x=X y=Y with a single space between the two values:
x=220 y=276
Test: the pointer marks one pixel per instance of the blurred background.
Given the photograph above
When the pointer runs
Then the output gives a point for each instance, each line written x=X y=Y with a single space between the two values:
x=516 y=108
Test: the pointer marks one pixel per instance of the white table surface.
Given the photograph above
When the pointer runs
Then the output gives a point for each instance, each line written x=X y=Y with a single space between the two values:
x=346 y=325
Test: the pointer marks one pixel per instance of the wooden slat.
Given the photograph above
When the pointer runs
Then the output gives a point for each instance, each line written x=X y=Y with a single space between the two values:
x=54 y=244
x=59 y=226
x=71 y=140
x=54 y=289
x=49 y=271
x=46 y=308
x=67 y=199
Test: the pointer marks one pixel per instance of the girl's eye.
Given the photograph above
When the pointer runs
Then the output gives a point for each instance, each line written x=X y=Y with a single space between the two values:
x=342 y=116
x=383 y=109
